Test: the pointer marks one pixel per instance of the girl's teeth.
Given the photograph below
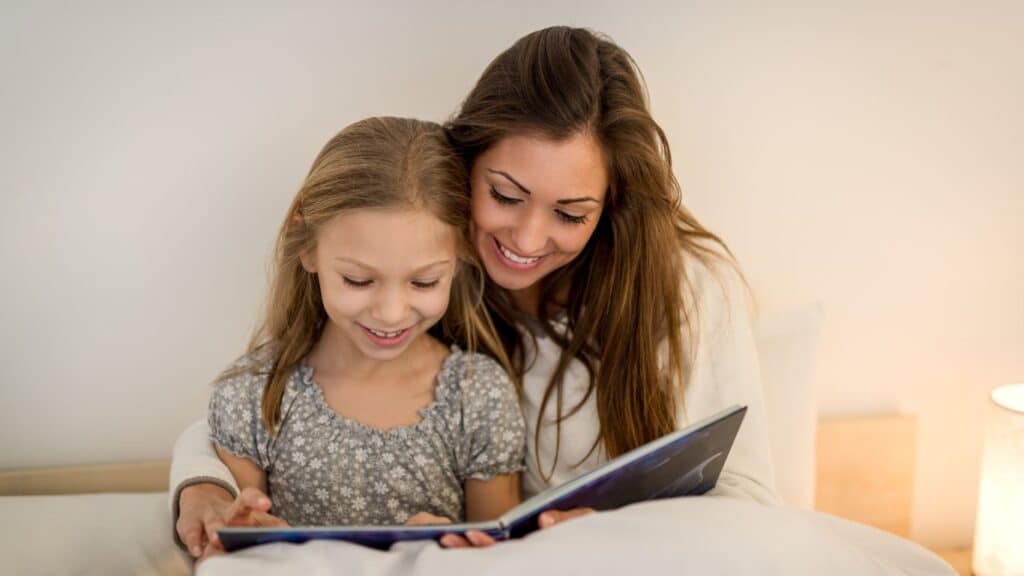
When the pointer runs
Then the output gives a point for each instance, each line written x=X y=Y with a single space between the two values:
x=385 y=334
x=517 y=259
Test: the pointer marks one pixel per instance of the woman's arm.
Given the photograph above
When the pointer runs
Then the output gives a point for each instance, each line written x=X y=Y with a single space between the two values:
x=726 y=372
x=195 y=462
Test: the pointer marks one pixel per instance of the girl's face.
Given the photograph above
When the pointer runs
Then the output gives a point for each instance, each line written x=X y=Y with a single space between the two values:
x=385 y=277
x=536 y=203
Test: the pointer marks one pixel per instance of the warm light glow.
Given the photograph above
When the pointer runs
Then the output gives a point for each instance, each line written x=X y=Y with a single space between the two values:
x=999 y=534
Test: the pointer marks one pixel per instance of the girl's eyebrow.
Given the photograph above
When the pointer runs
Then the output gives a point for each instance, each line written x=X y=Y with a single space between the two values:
x=372 y=269
x=528 y=193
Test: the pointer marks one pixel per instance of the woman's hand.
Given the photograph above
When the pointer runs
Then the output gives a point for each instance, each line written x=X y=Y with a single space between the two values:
x=206 y=508
x=547 y=519
x=425 y=519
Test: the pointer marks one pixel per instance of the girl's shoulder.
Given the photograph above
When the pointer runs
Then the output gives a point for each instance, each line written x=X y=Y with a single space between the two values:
x=474 y=378
x=251 y=369
x=472 y=368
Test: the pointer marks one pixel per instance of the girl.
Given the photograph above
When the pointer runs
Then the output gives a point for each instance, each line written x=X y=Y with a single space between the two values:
x=355 y=404
x=622 y=315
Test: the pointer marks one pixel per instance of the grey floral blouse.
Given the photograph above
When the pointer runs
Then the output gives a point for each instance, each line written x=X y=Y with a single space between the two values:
x=325 y=469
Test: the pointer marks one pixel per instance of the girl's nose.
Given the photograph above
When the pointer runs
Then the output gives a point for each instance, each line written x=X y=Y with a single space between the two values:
x=390 y=308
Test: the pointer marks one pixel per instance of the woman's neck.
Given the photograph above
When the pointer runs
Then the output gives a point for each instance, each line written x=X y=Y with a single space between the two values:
x=528 y=301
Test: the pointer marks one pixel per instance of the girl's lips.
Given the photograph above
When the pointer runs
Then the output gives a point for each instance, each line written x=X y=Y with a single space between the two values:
x=512 y=263
x=385 y=342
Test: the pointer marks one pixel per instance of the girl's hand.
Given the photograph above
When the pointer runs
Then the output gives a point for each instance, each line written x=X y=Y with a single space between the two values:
x=425 y=519
x=206 y=508
x=547 y=519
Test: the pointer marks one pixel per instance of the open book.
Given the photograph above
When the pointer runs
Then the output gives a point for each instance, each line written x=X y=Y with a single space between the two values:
x=686 y=462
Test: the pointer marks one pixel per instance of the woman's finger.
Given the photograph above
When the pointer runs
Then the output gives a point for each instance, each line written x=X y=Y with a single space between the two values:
x=454 y=541
x=211 y=526
x=549 y=518
x=191 y=534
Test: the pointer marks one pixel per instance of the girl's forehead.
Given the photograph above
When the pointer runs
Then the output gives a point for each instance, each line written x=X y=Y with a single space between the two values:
x=388 y=239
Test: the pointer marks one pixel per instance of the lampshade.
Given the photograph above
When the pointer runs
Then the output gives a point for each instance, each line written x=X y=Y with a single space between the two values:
x=999 y=533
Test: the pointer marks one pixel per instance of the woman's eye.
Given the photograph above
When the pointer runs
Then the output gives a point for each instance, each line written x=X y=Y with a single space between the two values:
x=356 y=283
x=502 y=199
x=425 y=285
x=570 y=218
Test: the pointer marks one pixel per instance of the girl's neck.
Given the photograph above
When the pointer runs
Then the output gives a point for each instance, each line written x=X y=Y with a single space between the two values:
x=336 y=356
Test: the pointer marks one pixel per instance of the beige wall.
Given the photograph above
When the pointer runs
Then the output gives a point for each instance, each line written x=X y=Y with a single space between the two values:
x=864 y=154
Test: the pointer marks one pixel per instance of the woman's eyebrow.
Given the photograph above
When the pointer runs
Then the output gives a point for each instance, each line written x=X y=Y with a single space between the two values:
x=510 y=179
x=580 y=199
x=527 y=192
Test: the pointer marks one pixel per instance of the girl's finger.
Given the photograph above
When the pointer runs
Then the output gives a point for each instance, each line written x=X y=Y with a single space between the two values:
x=479 y=539
x=254 y=499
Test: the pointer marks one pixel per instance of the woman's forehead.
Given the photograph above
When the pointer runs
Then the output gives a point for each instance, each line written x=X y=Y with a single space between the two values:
x=567 y=167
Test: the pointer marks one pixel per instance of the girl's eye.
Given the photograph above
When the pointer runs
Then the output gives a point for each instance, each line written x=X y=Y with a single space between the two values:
x=502 y=199
x=426 y=285
x=356 y=283
x=570 y=218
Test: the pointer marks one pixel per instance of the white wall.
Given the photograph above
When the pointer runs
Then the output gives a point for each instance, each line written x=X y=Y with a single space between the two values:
x=867 y=154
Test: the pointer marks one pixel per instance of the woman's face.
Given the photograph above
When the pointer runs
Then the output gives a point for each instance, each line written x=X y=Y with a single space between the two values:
x=536 y=203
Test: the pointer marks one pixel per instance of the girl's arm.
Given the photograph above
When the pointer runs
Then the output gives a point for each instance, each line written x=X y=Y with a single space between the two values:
x=488 y=499
x=247 y=474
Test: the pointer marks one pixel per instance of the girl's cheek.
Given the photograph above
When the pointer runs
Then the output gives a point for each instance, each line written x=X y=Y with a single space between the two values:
x=436 y=305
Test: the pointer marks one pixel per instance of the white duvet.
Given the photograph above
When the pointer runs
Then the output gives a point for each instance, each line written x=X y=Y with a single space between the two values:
x=681 y=536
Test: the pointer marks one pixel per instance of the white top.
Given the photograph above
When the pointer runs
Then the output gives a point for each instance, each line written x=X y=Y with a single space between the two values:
x=725 y=372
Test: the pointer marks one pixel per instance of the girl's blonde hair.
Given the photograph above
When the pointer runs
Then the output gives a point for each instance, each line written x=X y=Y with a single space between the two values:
x=374 y=163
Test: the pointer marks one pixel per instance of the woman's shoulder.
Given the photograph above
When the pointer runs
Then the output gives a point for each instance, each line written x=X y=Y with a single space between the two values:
x=715 y=283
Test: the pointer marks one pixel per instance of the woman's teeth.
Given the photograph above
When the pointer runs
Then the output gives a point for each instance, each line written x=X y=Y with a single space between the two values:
x=514 y=258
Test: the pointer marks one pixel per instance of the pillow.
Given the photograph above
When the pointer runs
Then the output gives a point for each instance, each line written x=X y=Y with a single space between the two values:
x=787 y=345
x=89 y=534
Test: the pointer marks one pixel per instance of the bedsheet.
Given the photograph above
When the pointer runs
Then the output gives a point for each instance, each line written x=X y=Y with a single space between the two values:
x=681 y=536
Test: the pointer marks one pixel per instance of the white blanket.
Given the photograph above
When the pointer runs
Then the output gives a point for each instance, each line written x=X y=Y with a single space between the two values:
x=681 y=536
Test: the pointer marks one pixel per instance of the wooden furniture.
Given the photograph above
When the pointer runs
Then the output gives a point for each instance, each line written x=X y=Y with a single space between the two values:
x=865 y=470
x=958 y=558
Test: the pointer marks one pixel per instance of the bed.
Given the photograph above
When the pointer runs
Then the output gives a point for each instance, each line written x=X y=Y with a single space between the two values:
x=115 y=519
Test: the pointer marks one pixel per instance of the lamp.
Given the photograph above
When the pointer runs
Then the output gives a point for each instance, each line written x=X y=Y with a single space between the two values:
x=999 y=532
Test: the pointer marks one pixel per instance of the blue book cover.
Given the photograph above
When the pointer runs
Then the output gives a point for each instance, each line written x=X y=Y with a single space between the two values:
x=684 y=463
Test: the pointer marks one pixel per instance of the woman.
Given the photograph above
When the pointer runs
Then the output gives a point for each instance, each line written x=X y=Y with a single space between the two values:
x=623 y=317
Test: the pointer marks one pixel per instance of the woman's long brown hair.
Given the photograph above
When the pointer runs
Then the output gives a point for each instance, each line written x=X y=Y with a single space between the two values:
x=374 y=163
x=629 y=297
